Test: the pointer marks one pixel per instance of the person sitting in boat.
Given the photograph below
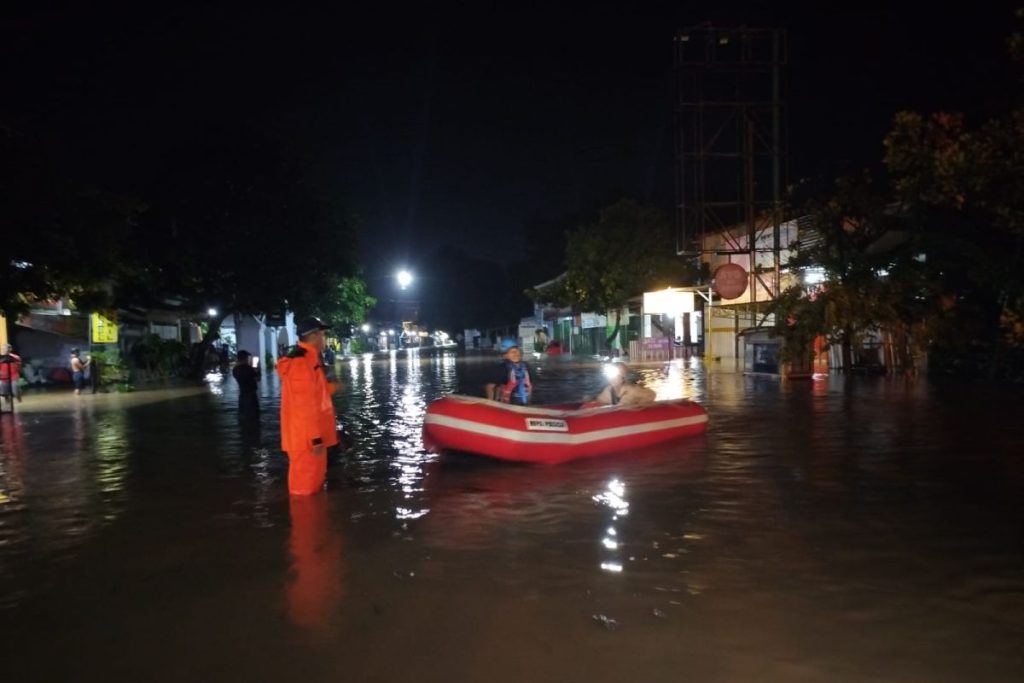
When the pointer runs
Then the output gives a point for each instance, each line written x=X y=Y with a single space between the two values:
x=512 y=378
x=619 y=391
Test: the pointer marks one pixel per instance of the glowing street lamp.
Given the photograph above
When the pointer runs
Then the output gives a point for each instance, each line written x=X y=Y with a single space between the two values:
x=365 y=328
x=404 y=278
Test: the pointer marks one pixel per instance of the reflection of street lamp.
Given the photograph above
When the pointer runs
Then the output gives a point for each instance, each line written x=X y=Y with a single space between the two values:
x=404 y=278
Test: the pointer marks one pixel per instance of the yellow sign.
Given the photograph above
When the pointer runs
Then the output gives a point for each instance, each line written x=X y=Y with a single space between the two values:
x=104 y=330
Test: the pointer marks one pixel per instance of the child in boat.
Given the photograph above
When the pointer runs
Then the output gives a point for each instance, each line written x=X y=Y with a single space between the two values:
x=619 y=391
x=511 y=383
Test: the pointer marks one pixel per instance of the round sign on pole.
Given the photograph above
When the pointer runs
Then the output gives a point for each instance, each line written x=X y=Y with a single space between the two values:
x=730 y=281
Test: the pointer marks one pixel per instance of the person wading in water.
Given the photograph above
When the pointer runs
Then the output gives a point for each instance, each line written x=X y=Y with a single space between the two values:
x=308 y=423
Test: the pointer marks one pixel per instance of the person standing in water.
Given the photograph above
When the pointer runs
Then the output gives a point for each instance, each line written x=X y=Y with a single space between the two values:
x=92 y=371
x=78 y=367
x=248 y=378
x=308 y=422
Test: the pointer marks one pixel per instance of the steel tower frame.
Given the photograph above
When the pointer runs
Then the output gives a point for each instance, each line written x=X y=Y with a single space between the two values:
x=730 y=140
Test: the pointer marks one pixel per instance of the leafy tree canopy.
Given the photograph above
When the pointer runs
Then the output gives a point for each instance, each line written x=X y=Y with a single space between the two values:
x=624 y=253
x=234 y=226
x=61 y=239
x=954 y=280
x=618 y=257
x=870 y=275
x=962 y=189
x=346 y=304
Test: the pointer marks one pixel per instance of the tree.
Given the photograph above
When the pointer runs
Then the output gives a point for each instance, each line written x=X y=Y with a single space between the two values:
x=61 y=239
x=868 y=277
x=963 y=190
x=234 y=227
x=346 y=304
x=625 y=252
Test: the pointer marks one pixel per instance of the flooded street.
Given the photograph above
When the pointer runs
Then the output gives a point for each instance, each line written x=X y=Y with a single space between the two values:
x=837 y=530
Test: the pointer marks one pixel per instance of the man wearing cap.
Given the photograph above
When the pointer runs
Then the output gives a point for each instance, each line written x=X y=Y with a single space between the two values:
x=308 y=424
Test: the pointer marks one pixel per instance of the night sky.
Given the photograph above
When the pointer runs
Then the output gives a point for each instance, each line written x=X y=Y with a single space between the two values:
x=458 y=128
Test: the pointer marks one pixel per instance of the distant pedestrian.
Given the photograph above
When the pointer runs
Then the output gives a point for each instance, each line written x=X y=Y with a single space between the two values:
x=329 y=357
x=308 y=422
x=77 y=371
x=10 y=376
x=248 y=378
x=91 y=373
x=95 y=368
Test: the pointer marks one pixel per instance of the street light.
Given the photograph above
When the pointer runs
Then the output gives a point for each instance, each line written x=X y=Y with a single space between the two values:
x=404 y=278
x=365 y=328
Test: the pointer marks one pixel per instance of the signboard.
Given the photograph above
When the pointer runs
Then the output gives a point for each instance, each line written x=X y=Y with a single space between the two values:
x=730 y=281
x=656 y=343
x=276 y=319
x=104 y=329
x=527 y=333
x=536 y=424
x=670 y=302
x=68 y=325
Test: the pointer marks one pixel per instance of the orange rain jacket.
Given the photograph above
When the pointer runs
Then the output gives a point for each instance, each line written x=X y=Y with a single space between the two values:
x=307 y=413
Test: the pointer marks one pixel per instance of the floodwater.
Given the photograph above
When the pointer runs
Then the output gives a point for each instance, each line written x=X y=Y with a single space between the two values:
x=832 y=530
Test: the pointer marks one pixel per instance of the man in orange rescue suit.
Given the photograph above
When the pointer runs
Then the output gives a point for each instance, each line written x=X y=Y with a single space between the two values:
x=308 y=426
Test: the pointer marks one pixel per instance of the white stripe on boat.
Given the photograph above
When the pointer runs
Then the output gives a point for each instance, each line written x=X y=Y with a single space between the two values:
x=481 y=429
x=555 y=412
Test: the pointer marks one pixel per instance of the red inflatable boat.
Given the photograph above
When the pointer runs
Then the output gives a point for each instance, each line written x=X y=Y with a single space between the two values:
x=554 y=434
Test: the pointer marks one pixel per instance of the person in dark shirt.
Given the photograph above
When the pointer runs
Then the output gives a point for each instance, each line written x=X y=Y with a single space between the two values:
x=511 y=382
x=92 y=371
x=248 y=378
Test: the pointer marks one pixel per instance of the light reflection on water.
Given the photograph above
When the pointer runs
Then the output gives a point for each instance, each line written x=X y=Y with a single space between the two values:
x=614 y=498
x=111 y=449
x=818 y=522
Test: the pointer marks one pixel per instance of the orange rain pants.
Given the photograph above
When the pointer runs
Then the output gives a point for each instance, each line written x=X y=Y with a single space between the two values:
x=306 y=471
